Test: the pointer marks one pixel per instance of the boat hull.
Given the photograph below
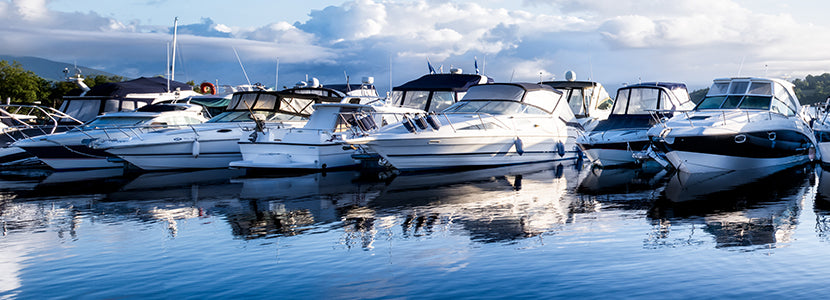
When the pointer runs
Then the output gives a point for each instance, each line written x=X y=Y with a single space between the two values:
x=294 y=156
x=475 y=151
x=695 y=162
x=204 y=154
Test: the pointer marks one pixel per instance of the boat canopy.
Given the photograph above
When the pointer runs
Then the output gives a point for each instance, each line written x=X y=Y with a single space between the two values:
x=508 y=98
x=751 y=93
x=141 y=85
x=435 y=92
x=584 y=97
x=273 y=105
x=641 y=98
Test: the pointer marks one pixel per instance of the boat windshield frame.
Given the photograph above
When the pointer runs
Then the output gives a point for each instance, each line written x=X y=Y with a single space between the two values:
x=663 y=99
x=748 y=94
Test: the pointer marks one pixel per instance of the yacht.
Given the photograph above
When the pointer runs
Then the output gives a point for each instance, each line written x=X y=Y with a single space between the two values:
x=214 y=144
x=318 y=145
x=820 y=124
x=70 y=150
x=494 y=124
x=429 y=93
x=588 y=100
x=615 y=140
x=742 y=123
x=85 y=103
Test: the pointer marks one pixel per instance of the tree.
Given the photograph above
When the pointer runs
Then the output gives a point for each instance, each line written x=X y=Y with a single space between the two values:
x=20 y=85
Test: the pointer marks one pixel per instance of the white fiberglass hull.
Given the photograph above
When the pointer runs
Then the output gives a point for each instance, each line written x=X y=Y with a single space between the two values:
x=694 y=162
x=824 y=150
x=294 y=156
x=202 y=154
x=610 y=157
x=472 y=151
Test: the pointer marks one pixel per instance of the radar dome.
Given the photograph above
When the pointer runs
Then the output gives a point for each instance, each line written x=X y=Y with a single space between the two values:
x=570 y=75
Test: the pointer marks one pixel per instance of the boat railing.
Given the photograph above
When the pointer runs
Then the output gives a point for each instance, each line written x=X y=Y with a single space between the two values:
x=131 y=131
x=361 y=124
x=23 y=121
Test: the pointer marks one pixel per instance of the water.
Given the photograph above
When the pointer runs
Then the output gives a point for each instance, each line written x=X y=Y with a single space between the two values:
x=535 y=231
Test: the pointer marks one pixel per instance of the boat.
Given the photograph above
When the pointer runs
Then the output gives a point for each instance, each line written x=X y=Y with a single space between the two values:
x=432 y=92
x=318 y=145
x=70 y=150
x=588 y=100
x=494 y=124
x=743 y=123
x=615 y=140
x=820 y=124
x=214 y=144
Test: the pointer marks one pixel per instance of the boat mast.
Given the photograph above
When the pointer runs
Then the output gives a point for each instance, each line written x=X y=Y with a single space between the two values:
x=173 y=62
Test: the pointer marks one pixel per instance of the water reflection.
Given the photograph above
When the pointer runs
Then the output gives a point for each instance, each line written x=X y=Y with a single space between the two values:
x=490 y=205
x=822 y=203
x=743 y=209
x=623 y=188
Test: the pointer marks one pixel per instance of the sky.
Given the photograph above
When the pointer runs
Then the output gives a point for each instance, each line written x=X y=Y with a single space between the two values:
x=281 y=42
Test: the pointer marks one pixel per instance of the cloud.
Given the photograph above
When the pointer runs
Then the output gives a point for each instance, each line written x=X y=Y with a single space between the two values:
x=684 y=40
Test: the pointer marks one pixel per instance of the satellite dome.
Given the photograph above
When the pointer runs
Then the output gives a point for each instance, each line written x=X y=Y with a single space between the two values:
x=570 y=75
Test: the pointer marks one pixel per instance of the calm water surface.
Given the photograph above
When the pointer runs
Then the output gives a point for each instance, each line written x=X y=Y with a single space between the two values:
x=533 y=231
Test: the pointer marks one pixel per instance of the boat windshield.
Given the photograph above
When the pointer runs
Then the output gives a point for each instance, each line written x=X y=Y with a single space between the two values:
x=245 y=116
x=747 y=95
x=111 y=122
x=493 y=107
x=489 y=92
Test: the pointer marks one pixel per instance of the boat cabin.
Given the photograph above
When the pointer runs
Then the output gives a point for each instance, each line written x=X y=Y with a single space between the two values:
x=435 y=92
x=751 y=93
x=276 y=106
x=642 y=98
x=122 y=96
x=586 y=98
x=510 y=98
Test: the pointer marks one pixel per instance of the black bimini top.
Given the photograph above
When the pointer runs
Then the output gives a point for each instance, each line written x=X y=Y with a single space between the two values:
x=140 y=85
x=442 y=82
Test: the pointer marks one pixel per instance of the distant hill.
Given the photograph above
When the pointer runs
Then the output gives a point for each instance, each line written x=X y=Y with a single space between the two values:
x=50 y=70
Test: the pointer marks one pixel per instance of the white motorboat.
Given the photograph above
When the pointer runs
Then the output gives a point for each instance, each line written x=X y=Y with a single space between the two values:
x=214 y=144
x=588 y=100
x=319 y=144
x=70 y=150
x=494 y=124
x=742 y=123
x=615 y=140
x=820 y=123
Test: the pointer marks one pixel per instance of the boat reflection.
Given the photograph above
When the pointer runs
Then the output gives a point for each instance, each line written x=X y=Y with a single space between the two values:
x=821 y=206
x=754 y=209
x=623 y=188
x=490 y=205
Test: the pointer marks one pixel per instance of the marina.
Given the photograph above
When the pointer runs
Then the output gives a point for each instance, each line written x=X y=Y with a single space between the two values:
x=557 y=229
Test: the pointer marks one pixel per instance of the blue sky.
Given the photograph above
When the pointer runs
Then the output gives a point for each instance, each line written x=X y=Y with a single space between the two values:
x=613 y=42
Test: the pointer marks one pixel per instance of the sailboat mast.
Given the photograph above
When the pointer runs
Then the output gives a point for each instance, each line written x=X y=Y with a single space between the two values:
x=173 y=63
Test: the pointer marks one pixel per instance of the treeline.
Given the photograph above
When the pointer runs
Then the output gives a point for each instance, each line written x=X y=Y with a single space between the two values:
x=22 y=86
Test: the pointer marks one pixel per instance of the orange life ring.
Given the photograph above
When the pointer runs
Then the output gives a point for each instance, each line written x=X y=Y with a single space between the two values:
x=207 y=88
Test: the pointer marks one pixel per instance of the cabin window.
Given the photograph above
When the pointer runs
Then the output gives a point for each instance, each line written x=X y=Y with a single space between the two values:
x=83 y=110
x=665 y=101
x=440 y=101
x=641 y=100
x=760 y=88
x=546 y=100
x=465 y=107
x=487 y=92
x=780 y=107
x=416 y=99
x=756 y=102
x=265 y=101
x=395 y=98
x=246 y=101
x=738 y=87
x=501 y=107
x=111 y=105
x=622 y=102
x=576 y=100
x=297 y=105
x=127 y=105
x=711 y=102
x=782 y=95
x=534 y=110
x=718 y=89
